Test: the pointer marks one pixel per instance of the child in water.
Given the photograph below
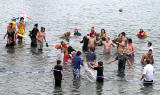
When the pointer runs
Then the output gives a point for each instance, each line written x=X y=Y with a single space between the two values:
x=99 y=68
x=58 y=74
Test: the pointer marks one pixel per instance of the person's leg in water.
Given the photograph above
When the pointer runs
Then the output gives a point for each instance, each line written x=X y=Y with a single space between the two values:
x=57 y=83
x=76 y=74
x=121 y=73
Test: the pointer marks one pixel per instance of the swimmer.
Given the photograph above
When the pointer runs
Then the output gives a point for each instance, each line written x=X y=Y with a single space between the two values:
x=99 y=68
x=107 y=45
x=66 y=36
x=76 y=33
x=148 y=56
x=141 y=33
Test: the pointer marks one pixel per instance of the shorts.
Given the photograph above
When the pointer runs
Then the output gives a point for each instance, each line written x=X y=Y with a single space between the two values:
x=147 y=83
x=57 y=83
x=76 y=73
x=130 y=55
x=39 y=44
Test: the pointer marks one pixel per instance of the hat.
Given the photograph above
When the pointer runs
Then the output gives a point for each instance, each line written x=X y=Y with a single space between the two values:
x=92 y=27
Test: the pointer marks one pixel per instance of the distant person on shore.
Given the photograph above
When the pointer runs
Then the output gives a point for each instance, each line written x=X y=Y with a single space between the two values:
x=41 y=36
x=58 y=74
x=122 y=59
x=99 y=68
x=147 y=73
x=148 y=56
x=33 y=35
x=150 y=46
x=77 y=61
x=11 y=37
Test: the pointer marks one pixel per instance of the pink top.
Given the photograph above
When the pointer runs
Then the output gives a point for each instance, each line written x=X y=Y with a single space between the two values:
x=40 y=36
x=131 y=47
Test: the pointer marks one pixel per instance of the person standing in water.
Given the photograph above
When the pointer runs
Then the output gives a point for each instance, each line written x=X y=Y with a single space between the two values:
x=11 y=35
x=91 y=41
x=150 y=46
x=77 y=61
x=122 y=59
x=147 y=73
x=21 y=29
x=107 y=45
x=148 y=56
x=99 y=68
x=33 y=34
x=130 y=49
x=58 y=74
x=91 y=56
x=40 y=38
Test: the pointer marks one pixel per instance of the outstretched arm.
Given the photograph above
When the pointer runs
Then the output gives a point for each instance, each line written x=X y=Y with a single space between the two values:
x=113 y=60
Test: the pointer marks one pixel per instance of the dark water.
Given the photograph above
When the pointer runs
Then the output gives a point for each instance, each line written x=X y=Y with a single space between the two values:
x=60 y=16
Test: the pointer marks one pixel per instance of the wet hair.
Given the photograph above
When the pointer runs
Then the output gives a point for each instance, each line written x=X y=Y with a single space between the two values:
x=150 y=43
x=11 y=24
x=150 y=50
x=123 y=34
x=21 y=18
x=129 y=40
x=147 y=61
x=58 y=61
x=42 y=28
x=100 y=63
x=70 y=49
x=36 y=25
x=78 y=53
x=92 y=49
x=103 y=30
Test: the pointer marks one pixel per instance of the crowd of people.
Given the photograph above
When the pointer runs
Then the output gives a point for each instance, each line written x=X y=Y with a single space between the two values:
x=125 y=50
x=125 y=54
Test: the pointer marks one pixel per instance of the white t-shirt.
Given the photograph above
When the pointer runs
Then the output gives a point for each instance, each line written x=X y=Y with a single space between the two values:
x=148 y=71
x=150 y=48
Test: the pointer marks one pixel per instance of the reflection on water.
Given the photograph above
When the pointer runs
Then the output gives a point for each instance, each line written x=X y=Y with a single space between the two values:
x=99 y=89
